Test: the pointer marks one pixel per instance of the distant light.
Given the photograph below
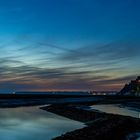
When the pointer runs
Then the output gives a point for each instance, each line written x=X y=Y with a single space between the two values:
x=14 y=93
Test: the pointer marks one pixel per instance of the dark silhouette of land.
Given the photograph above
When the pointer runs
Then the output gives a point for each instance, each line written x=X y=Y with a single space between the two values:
x=100 y=126
x=132 y=88
x=15 y=100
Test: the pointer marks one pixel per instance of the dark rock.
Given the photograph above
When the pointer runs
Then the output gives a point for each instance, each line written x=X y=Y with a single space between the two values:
x=133 y=88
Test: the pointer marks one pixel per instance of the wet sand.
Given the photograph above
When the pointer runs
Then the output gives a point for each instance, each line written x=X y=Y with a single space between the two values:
x=100 y=126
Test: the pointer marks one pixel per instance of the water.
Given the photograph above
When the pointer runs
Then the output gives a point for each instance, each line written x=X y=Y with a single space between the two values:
x=117 y=109
x=133 y=136
x=32 y=123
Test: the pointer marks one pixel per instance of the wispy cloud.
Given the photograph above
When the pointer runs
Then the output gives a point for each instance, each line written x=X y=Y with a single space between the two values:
x=39 y=65
x=116 y=51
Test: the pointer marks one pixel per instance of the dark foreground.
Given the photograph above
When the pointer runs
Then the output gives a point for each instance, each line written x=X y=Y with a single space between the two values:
x=100 y=126
x=16 y=100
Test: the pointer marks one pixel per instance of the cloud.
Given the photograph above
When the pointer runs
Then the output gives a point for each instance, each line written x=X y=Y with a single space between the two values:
x=116 y=51
x=39 y=66
x=112 y=57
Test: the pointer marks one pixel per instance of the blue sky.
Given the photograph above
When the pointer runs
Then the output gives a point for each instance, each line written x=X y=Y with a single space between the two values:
x=68 y=44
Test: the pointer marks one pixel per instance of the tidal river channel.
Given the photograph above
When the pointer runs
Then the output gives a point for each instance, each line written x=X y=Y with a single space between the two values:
x=32 y=123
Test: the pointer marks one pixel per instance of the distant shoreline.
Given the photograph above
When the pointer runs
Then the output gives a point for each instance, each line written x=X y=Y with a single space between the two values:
x=16 y=100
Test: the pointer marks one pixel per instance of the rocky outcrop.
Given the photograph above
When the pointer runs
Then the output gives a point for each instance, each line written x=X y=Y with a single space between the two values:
x=133 y=88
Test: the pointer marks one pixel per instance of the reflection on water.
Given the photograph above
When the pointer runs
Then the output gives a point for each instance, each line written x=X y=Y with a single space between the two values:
x=32 y=123
x=133 y=136
x=116 y=109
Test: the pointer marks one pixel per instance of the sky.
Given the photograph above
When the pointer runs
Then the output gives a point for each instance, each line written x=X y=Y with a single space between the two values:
x=68 y=44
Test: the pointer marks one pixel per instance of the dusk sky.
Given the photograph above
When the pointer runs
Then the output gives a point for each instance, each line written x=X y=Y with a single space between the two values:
x=68 y=44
